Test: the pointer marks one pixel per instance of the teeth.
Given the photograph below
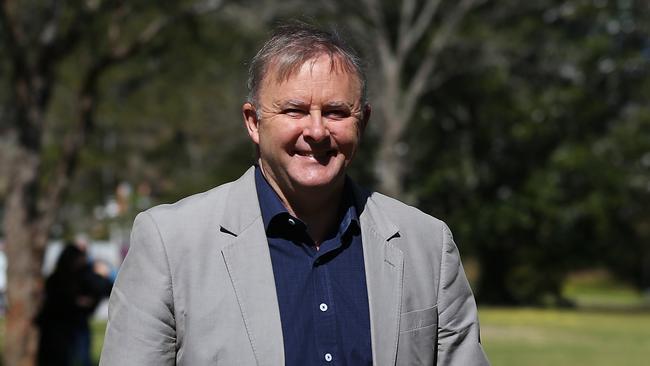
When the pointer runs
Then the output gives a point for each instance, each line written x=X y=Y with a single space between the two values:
x=310 y=154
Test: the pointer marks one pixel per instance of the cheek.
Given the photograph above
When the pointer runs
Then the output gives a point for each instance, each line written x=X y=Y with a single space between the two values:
x=348 y=145
x=348 y=136
x=278 y=134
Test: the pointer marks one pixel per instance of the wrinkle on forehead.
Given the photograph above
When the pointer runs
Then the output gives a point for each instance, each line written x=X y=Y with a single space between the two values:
x=285 y=66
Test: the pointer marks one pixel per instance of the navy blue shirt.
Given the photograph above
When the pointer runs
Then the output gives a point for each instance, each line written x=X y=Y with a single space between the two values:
x=322 y=293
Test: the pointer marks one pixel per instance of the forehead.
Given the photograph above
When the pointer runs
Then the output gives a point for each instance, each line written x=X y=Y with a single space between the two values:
x=283 y=69
x=284 y=66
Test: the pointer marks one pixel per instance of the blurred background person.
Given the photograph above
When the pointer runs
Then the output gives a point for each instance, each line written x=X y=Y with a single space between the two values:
x=72 y=293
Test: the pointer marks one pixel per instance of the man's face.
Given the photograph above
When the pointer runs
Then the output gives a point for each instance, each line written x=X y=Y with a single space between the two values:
x=310 y=126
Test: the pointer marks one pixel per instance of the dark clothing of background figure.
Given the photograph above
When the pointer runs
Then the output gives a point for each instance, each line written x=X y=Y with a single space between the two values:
x=72 y=293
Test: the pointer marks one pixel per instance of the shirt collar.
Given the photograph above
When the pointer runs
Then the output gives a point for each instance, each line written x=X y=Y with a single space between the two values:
x=271 y=205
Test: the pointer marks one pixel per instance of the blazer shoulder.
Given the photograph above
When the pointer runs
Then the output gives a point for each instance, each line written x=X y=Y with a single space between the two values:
x=199 y=208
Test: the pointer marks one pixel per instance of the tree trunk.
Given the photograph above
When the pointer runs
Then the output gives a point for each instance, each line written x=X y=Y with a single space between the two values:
x=25 y=243
x=392 y=121
x=389 y=168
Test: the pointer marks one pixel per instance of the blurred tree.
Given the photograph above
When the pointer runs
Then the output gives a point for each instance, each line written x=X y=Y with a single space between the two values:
x=38 y=40
x=169 y=124
x=536 y=150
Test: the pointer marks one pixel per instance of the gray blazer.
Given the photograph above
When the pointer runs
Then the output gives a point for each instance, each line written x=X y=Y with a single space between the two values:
x=197 y=287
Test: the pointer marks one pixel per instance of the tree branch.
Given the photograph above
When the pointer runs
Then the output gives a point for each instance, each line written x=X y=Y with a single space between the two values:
x=382 y=39
x=413 y=34
x=156 y=26
x=14 y=39
x=419 y=81
x=205 y=7
x=406 y=15
x=376 y=16
x=57 y=45
x=51 y=26
x=54 y=45
x=28 y=85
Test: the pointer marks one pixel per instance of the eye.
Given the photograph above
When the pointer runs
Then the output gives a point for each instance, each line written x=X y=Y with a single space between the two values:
x=294 y=112
x=336 y=114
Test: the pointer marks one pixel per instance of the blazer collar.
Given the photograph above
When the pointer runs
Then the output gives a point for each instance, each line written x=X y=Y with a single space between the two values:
x=242 y=207
x=384 y=264
x=248 y=262
x=372 y=215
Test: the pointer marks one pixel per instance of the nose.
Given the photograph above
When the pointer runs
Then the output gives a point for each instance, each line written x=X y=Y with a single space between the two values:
x=316 y=130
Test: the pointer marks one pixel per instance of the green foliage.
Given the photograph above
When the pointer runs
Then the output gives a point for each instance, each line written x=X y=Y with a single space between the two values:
x=536 y=151
x=169 y=119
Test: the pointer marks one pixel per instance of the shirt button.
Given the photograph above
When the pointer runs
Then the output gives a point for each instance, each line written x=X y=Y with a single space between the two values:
x=323 y=307
x=328 y=357
x=292 y=222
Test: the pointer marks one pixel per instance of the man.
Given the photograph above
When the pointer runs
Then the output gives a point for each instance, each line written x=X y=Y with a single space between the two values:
x=293 y=263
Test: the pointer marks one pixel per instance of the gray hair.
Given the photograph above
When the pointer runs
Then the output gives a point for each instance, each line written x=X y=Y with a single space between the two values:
x=292 y=45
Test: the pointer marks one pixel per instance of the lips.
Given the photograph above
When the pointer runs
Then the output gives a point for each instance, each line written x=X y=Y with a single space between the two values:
x=320 y=156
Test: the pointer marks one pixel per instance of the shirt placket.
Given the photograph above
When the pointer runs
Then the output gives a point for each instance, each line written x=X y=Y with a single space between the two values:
x=324 y=309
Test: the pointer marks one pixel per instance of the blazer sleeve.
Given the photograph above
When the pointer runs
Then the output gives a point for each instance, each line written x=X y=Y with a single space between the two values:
x=458 y=327
x=141 y=328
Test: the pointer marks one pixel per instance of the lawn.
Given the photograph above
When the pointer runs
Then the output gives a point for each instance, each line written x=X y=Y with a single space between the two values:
x=611 y=326
x=531 y=337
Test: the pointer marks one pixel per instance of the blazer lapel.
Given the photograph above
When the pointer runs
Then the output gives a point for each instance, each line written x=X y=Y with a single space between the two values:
x=248 y=262
x=384 y=272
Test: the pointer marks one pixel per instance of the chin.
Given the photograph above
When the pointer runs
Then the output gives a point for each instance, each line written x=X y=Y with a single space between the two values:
x=319 y=179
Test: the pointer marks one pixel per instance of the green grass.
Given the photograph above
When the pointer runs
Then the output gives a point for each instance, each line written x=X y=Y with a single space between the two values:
x=598 y=289
x=97 y=329
x=611 y=326
x=531 y=337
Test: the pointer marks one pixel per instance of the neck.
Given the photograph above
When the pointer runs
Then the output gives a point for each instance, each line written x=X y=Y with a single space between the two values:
x=318 y=208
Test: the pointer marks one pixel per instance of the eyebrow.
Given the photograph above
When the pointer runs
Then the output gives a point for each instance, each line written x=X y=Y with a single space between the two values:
x=338 y=104
x=301 y=103
x=290 y=103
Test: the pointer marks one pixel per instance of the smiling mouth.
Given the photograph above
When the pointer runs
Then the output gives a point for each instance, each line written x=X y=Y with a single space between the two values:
x=321 y=157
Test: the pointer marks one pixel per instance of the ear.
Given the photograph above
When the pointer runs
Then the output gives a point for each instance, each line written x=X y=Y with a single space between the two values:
x=365 y=117
x=251 y=122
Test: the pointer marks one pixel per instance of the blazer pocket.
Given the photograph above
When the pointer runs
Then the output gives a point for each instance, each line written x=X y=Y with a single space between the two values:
x=418 y=338
x=418 y=319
